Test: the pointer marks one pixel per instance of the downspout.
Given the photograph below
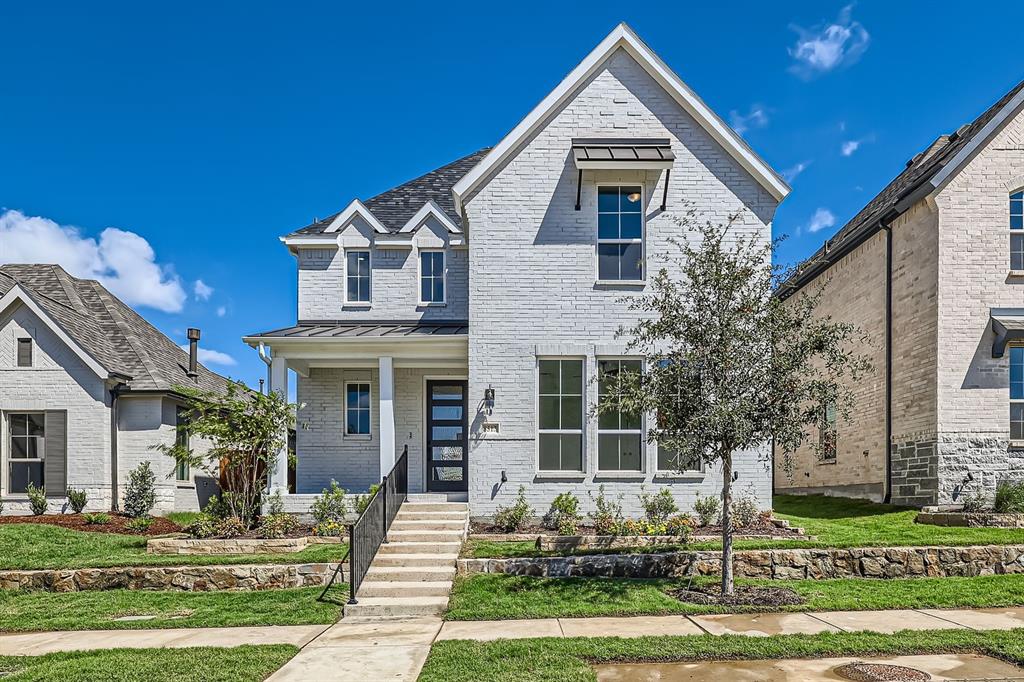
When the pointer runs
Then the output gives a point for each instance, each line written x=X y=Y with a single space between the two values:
x=887 y=498
x=114 y=394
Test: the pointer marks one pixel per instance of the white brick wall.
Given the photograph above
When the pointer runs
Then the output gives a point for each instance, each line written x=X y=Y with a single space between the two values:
x=532 y=268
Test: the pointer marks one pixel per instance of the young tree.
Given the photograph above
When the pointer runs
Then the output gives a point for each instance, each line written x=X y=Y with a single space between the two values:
x=729 y=365
x=245 y=431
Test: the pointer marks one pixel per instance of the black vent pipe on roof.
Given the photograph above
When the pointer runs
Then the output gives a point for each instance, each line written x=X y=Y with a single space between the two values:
x=193 y=353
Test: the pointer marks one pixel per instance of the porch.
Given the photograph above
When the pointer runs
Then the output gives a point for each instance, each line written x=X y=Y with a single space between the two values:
x=365 y=392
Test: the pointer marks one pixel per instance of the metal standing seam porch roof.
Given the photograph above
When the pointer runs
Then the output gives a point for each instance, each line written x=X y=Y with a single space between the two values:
x=366 y=329
x=616 y=152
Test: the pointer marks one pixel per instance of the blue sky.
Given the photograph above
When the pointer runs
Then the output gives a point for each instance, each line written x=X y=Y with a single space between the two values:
x=203 y=131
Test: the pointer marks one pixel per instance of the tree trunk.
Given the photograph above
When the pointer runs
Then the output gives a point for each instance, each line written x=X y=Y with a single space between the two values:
x=727 y=580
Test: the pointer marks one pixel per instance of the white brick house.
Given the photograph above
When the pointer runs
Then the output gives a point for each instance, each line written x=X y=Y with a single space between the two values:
x=86 y=388
x=464 y=314
x=933 y=270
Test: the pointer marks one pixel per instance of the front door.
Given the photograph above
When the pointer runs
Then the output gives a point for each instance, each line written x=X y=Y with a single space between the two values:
x=447 y=436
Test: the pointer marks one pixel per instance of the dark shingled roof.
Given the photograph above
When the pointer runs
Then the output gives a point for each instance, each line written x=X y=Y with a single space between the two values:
x=918 y=171
x=116 y=336
x=396 y=206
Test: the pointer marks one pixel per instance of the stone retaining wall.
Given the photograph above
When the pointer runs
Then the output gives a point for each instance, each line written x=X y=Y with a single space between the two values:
x=872 y=562
x=211 y=546
x=172 y=578
x=973 y=520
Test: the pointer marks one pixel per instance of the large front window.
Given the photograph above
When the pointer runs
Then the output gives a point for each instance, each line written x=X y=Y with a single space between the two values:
x=357 y=276
x=620 y=229
x=357 y=409
x=1017 y=393
x=1017 y=230
x=431 y=277
x=619 y=433
x=560 y=418
x=27 y=448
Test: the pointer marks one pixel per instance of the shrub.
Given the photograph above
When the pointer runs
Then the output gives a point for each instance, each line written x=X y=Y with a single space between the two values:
x=607 y=514
x=511 y=519
x=77 y=499
x=706 y=508
x=329 y=529
x=275 y=504
x=658 y=507
x=140 y=493
x=277 y=525
x=96 y=518
x=681 y=526
x=1009 y=497
x=631 y=527
x=744 y=511
x=139 y=524
x=363 y=501
x=37 y=499
x=974 y=503
x=329 y=509
x=204 y=526
x=218 y=508
x=564 y=514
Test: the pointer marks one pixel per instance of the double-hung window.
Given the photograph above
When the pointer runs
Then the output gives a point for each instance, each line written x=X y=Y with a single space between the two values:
x=560 y=418
x=1017 y=231
x=1017 y=394
x=357 y=276
x=24 y=352
x=619 y=433
x=357 y=409
x=431 y=277
x=27 y=449
x=620 y=230
x=181 y=440
x=827 y=433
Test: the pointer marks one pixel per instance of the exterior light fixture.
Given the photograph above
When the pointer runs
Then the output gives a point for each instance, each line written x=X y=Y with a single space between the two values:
x=489 y=400
x=633 y=196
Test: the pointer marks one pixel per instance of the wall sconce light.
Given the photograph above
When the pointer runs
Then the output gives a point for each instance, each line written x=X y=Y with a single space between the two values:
x=735 y=475
x=489 y=400
x=504 y=478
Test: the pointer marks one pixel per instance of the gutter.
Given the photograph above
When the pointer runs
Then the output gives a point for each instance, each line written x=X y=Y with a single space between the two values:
x=887 y=497
x=114 y=491
x=261 y=348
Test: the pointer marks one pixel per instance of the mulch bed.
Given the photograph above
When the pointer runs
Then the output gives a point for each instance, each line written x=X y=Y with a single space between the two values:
x=160 y=525
x=759 y=527
x=880 y=672
x=742 y=596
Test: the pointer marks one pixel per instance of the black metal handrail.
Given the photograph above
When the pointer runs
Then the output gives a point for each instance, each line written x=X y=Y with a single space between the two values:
x=370 y=530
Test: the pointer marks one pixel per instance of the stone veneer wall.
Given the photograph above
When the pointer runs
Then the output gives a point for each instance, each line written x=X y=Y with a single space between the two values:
x=915 y=472
x=817 y=564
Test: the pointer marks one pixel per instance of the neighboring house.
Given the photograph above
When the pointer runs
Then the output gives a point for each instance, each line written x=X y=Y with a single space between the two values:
x=464 y=315
x=932 y=269
x=87 y=386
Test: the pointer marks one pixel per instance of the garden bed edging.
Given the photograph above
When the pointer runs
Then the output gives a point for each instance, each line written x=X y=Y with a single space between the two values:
x=970 y=520
x=214 y=546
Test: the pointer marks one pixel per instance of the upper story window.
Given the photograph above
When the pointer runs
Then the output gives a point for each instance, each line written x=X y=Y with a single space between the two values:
x=560 y=418
x=432 y=282
x=357 y=276
x=619 y=433
x=24 y=352
x=620 y=230
x=357 y=409
x=1017 y=230
x=1017 y=393
x=182 y=471
x=25 y=462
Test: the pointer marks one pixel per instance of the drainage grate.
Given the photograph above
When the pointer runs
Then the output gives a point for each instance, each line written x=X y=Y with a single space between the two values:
x=880 y=672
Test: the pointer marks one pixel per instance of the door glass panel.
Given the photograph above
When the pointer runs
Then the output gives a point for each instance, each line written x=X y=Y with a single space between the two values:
x=447 y=473
x=452 y=412
x=446 y=433
x=446 y=453
x=442 y=392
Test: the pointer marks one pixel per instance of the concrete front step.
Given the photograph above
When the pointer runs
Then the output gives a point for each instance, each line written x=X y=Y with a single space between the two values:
x=409 y=573
x=402 y=523
x=386 y=607
x=434 y=507
x=437 y=497
x=403 y=515
x=415 y=588
x=419 y=536
x=436 y=560
x=419 y=548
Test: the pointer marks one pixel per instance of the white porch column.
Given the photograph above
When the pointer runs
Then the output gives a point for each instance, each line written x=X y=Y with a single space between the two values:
x=279 y=384
x=387 y=415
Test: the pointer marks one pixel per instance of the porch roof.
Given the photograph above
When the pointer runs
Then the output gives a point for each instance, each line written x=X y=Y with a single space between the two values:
x=325 y=330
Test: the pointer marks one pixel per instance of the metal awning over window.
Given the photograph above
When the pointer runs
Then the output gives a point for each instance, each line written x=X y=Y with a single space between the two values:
x=1008 y=325
x=623 y=153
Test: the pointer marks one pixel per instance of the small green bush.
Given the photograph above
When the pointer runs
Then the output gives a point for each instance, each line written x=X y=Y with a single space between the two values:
x=139 y=524
x=681 y=526
x=511 y=519
x=140 y=493
x=1009 y=497
x=564 y=514
x=218 y=508
x=96 y=518
x=275 y=504
x=274 y=526
x=744 y=512
x=77 y=499
x=658 y=507
x=707 y=508
x=973 y=503
x=207 y=526
x=363 y=501
x=329 y=510
x=607 y=514
x=36 y=499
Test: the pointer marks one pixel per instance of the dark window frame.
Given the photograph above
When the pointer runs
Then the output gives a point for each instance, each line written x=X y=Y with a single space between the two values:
x=615 y=241
x=1016 y=226
x=363 y=280
x=359 y=410
x=619 y=431
x=38 y=440
x=24 y=352
x=561 y=434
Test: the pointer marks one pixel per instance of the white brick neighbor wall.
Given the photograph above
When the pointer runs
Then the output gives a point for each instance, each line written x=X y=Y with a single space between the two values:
x=533 y=271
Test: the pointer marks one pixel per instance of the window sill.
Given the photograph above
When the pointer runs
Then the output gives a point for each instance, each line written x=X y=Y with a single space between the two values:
x=1016 y=274
x=612 y=283
x=620 y=476
x=356 y=306
x=1017 y=444
x=424 y=304
x=679 y=476
x=358 y=436
x=827 y=462
x=559 y=476
x=185 y=485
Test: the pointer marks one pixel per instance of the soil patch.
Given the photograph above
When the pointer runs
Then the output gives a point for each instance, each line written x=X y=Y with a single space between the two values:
x=742 y=596
x=880 y=672
x=759 y=527
x=160 y=525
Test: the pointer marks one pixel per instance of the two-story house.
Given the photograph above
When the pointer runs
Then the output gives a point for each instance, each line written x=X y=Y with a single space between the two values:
x=932 y=269
x=466 y=314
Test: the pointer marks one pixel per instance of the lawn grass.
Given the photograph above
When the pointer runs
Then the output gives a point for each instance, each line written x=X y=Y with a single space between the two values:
x=96 y=610
x=36 y=546
x=570 y=660
x=834 y=522
x=503 y=597
x=200 y=664
x=183 y=518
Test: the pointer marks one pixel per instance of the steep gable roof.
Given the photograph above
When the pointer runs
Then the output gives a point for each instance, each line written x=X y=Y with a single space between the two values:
x=117 y=337
x=923 y=174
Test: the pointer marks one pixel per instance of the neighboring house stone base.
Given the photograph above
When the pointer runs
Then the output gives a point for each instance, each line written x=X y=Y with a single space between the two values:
x=874 y=562
x=171 y=578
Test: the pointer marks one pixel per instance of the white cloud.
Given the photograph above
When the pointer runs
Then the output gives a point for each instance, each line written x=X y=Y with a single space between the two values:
x=757 y=117
x=213 y=357
x=202 y=290
x=849 y=147
x=122 y=261
x=222 y=311
x=821 y=219
x=826 y=47
x=789 y=175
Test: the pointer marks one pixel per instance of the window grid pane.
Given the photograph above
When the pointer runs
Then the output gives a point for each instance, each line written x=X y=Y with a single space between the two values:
x=25 y=463
x=560 y=415
x=432 y=277
x=1017 y=393
x=24 y=352
x=358 y=276
x=619 y=434
x=357 y=409
x=620 y=233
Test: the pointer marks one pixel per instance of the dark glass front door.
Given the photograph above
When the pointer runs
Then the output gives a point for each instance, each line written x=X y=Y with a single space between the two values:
x=447 y=437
